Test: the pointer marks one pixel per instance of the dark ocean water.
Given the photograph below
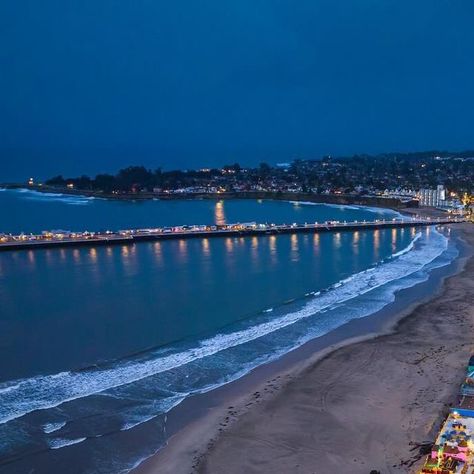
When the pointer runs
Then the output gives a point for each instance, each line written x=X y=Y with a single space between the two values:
x=98 y=344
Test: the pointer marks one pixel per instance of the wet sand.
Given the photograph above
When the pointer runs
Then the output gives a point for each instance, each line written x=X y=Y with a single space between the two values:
x=367 y=405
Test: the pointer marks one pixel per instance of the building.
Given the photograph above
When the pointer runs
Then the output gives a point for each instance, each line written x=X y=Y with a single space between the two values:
x=432 y=197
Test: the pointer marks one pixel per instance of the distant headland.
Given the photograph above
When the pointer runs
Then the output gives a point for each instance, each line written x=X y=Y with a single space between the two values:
x=387 y=180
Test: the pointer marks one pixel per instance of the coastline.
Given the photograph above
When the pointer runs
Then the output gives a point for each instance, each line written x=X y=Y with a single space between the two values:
x=208 y=431
x=337 y=199
x=213 y=426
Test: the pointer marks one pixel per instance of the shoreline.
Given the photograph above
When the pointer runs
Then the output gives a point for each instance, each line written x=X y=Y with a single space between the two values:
x=337 y=199
x=201 y=428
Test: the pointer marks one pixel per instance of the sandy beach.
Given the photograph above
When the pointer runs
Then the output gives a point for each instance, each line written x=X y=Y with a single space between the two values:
x=373 y=403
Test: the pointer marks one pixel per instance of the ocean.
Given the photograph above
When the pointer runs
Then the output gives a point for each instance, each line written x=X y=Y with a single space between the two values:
x=97 y=345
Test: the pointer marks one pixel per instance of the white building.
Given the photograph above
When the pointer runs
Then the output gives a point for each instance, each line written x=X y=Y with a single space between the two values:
x=432 y=197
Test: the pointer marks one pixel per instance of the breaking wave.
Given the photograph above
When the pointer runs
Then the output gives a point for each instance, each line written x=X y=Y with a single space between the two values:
x=75 y=200
x=352 y=207
x=52 y=427
x=61 y=443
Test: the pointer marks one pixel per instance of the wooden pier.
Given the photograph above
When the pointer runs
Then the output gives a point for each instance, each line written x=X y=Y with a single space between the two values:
x=126 y=237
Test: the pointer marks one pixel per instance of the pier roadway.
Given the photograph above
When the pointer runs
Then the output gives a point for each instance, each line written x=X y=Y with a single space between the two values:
x=124 y=237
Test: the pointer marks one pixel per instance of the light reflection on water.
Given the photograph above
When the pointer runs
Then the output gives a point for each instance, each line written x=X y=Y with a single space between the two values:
x=273 y=249
x=219 y=214
x=394 y=239
x=205 y=247
x=377 y=242
x=229 y=244
x=158 y=252
x=316 y=242
x=355 y=242
x=294 y=247
x=183 y=249
x=31 y=257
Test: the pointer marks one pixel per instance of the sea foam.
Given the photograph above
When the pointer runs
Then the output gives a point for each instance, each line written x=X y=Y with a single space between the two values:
x=52 y=427
x=61 y=443
x=75 y=200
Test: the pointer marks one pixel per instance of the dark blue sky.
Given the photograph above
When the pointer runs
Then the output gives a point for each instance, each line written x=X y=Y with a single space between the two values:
x=92 y=85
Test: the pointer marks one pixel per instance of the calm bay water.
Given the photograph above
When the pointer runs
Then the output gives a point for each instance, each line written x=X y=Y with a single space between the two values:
x=97 y=344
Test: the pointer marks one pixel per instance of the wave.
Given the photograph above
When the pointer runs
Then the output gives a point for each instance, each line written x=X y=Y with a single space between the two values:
x=52 y=427
x=61 y=443
x=352 y=207
x=337 y=206
x=8 y=387
x=38 y=196
x=408 y=248
x=43 y=392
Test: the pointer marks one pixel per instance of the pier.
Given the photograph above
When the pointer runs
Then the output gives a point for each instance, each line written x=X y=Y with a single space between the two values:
x=61 y=238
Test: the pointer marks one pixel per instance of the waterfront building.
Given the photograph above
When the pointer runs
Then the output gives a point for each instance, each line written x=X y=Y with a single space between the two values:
x=432 y=197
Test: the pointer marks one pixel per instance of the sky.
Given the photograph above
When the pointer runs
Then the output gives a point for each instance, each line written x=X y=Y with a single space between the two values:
x=89 y=86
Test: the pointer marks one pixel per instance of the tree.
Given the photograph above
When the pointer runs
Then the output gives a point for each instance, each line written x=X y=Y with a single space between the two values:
x=105 y=182
x=83 y=182
x=56 y=181
x=134 y=177
x=264 y=169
